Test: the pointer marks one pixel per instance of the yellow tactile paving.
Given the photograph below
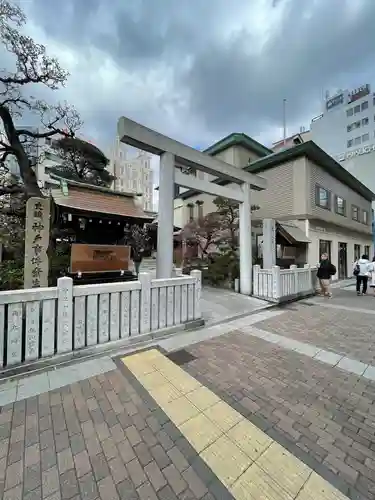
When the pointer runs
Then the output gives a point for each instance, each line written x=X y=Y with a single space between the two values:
x=255 y=484
x=202 y=398
x=250 y=439
x=247 y=461
x=223 y=415
x=317 y=488
x=180 y=410
x=152 y=380
x=284 y=468
x=182 y=381
x=165 y=393
x=224 y=457
x=200 y=432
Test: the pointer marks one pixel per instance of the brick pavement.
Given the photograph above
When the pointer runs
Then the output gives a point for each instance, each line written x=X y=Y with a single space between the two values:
x=323 y=415
x=342 y=331
x=98 y=438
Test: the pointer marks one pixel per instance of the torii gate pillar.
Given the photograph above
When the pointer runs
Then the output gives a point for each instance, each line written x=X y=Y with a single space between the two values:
x=164 y=254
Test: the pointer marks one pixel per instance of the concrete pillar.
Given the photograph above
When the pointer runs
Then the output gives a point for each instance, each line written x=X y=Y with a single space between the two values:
x=269 y=243
x=164 y=255
x=246 y=258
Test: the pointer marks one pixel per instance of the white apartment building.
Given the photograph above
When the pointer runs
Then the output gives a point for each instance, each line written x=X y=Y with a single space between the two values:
x=132 y=174
x=346 y=131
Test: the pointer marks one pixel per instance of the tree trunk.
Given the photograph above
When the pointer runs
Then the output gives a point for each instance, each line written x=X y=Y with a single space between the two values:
x=27 y=173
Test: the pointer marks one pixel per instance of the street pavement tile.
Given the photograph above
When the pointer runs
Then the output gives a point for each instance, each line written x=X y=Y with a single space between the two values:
x=321 y=414
x=165 y=393
x=229 y=444
x=255 y=484
x=343 y=330
x=223 y=416
x=286 y=470
x=317 y=488
x=202 y=398
x=183 y=382
x=152 y=380
x=138 y=367
x=180 y=410
x=200 y=432
x=104 y=437
x=250 y=439
x=226 y=460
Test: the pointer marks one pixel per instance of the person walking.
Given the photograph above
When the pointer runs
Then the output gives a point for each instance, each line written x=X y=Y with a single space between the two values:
x=372 y=275
x=137 y=257
x=325 y=272
x=361 y=270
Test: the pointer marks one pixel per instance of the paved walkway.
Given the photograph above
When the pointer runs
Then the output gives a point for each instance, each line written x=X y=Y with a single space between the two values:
x=219 y=305
x=278 y=404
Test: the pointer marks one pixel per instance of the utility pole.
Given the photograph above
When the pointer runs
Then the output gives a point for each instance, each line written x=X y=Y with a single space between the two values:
x=284 y=122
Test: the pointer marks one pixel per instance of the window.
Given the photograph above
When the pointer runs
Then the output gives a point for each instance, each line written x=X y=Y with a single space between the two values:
x=365 y=137
x=325 y=247
x=357 y=252
x=350 y=143
x=365 y=121
x=340 y=205
x=349 y=112
x=373 y=101
x=357 y=141
x=191 y=212
x=365 y=217
x=200 y=208
x=353 y=126
x=364 y=105
x=49 y=140
x=357 y=109
x=355 y=213
x=367 y=250
x=322 y=197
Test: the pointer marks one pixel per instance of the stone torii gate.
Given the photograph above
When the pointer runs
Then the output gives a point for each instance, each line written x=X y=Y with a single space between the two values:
x=173 y=153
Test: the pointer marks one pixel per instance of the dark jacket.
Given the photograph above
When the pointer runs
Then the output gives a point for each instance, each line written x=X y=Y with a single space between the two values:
x=136 y=255
x=326 y=270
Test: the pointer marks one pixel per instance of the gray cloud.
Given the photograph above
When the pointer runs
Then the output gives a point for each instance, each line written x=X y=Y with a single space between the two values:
x=198 y=70
x=234 y=86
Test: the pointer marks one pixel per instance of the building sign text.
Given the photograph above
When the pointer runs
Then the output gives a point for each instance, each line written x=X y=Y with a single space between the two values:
x=335 y=101
x=356 y=152
x=356 y=94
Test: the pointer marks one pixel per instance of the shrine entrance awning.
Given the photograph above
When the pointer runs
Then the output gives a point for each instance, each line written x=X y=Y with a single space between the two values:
x=99 y=200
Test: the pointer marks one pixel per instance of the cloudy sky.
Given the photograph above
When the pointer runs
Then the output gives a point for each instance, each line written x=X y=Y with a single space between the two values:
x=197 y=70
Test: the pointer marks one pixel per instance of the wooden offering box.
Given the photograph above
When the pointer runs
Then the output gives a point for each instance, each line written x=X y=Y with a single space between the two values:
x=99 y=263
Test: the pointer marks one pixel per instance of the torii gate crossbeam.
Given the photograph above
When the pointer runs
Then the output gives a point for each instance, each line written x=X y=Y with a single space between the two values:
x=172 y=152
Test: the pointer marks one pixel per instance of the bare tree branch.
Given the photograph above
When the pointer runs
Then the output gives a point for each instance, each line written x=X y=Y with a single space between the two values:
x=32 y=66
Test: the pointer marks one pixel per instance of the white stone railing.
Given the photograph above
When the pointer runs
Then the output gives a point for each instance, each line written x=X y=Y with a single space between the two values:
x=279 y=285
x=44 y=322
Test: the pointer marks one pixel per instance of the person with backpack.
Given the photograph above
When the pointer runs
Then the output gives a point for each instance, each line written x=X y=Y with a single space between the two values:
x=361 y=270
x=325 y=272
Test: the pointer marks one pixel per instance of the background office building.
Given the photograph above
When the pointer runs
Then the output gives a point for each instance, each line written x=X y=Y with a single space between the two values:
x=346 y=131
x=132 y=173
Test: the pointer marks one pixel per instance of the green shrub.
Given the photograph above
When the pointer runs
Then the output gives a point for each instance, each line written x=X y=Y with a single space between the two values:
x=223 y=268
x=59 y=262
x=11 y=275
